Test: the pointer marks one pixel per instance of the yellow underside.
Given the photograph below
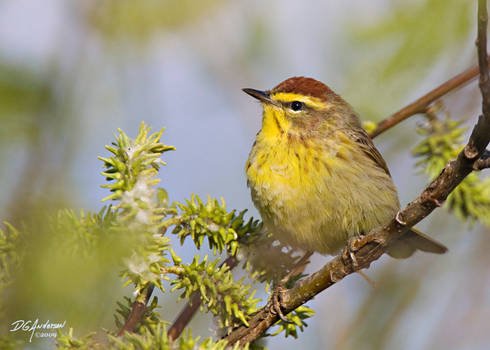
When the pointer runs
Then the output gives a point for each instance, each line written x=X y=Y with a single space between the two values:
x=316 y=193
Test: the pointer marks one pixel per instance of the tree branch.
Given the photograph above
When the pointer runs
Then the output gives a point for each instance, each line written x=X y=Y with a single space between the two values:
x=138 y=311
x=369 y=248
x=421 y=104
x=481 y=43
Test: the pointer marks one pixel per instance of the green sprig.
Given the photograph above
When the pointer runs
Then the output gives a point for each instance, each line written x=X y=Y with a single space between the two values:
x=232 y=301
x=223 y=230
x=296 y=320
x=155 y=337
x=134 y=161
x=470 y=201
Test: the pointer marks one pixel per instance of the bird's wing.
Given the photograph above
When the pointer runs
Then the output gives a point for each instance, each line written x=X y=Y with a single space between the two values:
x=366 y=144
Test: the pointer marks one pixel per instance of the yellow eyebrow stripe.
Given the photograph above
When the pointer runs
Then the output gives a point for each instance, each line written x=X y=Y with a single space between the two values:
x=309 y=101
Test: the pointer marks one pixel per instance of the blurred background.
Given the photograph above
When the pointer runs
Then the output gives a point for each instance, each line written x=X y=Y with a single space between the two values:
x=72 y=72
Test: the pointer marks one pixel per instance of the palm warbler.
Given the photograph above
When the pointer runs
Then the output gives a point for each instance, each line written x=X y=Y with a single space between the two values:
x=315 y=175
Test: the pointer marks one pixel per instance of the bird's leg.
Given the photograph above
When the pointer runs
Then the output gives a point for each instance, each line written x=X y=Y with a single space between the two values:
x=281 y=288
x=276 y=303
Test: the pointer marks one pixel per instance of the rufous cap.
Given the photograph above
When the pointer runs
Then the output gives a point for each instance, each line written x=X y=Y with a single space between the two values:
x=305 y=86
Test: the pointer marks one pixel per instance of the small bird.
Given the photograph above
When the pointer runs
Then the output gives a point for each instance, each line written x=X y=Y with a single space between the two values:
x=315 y=175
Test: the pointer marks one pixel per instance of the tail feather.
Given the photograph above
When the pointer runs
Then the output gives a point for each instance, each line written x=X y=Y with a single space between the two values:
x=415 y=240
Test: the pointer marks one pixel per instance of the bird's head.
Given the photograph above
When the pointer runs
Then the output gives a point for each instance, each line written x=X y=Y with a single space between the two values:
x=300 y=104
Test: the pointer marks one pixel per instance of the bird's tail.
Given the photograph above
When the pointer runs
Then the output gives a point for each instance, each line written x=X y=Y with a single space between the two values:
x=415 y=240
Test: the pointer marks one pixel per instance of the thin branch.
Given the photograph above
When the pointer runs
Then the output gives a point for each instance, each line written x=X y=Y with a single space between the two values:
x=138 y=311
x=369 y=248
x=185 y=316
x=481 y=44
x=420 y=105
x=192 y=306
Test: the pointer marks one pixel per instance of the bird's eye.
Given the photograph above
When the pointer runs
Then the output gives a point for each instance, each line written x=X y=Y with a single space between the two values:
x=296 y=105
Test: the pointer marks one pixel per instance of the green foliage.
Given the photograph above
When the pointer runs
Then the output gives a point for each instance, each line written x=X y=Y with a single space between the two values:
x=155 y=337
x=211 y=220
x=296 y=318
x=231 y=301
x=145 y=264
x=441 y=144
x=69 y=342
x=264 y=258
x=133 y=166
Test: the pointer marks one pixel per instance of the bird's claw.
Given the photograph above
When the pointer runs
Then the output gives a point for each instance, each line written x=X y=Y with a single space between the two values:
x=280 y=288
x=353 y=245
x=276 y=303
x=399 y=219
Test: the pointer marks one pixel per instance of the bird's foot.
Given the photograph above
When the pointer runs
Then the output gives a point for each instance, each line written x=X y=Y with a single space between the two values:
x=276 y=302
x=353 y=245
x=281 y=286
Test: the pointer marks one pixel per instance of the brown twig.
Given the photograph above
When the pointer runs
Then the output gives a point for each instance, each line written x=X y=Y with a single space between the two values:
x=481 y=43
x=420 y=105
x=373 y=245
x=138 y=311
x=185 y=316
x=191 y=307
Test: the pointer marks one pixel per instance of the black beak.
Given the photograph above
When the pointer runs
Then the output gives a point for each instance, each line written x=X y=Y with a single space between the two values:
x=262 y=96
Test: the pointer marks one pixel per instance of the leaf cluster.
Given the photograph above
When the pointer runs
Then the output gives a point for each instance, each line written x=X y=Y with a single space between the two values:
x=131 y=162
x=296 y=321
x=232 y=301
x=442 y=143
x=211 y=220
